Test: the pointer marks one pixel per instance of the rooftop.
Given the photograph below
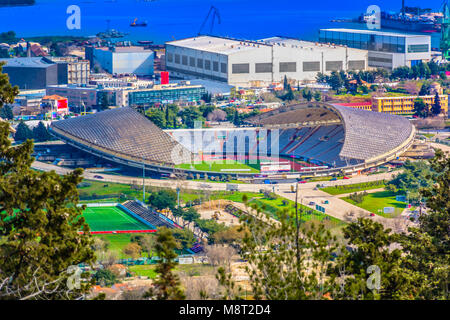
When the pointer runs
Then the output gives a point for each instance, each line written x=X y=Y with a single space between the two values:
x=380 y=33
x=35 y=62
x=229 y=46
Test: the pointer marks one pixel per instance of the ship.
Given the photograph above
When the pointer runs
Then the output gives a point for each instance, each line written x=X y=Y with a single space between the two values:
x=112 y=33
x=138 y=24
x=408 y=20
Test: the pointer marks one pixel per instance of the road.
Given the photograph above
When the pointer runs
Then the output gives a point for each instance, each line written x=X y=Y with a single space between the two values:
x=337 y=208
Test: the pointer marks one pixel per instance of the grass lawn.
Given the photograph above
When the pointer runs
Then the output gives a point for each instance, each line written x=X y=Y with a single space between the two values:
x=88 y=188
x=117 y=242
x=112 y=219
x=146 y=270
x=218 y=166
x=378 y=200
x=349 y=188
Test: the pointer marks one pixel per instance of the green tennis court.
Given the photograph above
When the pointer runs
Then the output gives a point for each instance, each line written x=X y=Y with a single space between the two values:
x=112 y=219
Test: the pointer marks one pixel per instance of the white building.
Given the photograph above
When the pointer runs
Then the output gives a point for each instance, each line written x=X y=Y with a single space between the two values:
x=258 y=63
x=386 y=49
x=122 y=60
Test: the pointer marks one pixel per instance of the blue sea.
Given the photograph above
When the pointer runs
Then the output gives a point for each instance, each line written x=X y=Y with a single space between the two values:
x=176 y=19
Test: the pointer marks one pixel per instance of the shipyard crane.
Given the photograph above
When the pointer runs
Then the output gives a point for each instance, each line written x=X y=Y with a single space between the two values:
x=445 y=31
x=215 y=14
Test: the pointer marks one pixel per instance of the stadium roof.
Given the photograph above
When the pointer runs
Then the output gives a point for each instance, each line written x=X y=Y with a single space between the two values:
x=367 y=134
x=125 y=133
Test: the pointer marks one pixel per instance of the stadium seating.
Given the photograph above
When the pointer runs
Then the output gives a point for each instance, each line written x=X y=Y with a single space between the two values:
x=145 y=213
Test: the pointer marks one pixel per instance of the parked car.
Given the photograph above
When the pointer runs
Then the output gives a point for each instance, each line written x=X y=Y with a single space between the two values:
x=372 y=214
x=333 y=179
x=345 y=177
x=311 y=203
x=98 y=177
x=302 y=181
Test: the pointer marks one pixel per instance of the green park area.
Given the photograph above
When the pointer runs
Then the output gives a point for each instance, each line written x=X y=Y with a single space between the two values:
x=349 y=188
x=376 y=201
x=222 y=166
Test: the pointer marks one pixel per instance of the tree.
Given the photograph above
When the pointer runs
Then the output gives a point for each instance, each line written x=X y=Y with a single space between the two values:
x=217 y=115
x=105 y=278
x=236 y=118
x=420 y=108
x=412 y=179
x=146 y=242
x=425 y=89
x=133 y=250
x=427 y=247
x=190 y=115
x=7 y=92
x=335 y=81
x=317 y=96
x=23 y=132
x=184 y=237
x=167 y=284
x=436 y=107
x=190 y=215
x=158 y=117
x=287 y=260
x=163 y=199
x=371 y=253
x=6 y=112
x=307 y=95
x=39 y=228
x=40 y=133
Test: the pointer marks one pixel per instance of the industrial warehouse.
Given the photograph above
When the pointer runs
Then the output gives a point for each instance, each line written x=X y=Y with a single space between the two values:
x=258 y=63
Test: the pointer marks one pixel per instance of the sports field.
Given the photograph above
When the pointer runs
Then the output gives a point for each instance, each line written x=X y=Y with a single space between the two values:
x=112 y=219
x=221 y=166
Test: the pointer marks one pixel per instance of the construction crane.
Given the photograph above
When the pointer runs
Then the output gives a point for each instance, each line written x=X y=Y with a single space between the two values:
x=445 y=31
x=215 y=14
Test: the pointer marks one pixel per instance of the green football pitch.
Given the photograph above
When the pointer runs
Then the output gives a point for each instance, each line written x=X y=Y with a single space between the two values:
x=111 y=219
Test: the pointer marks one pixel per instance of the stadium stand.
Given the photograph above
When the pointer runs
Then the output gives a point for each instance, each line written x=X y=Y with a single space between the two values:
x=148 y=215
x=330 y=136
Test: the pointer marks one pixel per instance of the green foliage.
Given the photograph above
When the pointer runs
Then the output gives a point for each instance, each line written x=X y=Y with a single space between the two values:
x=415 y=175
x=163 y=199
x=189 y=115
x=6 y=112
x=39 y=225
x=23 y=132
x=421 y=108
x=358 y=197
x=158 y=117
x=167 y=285
x=184 y=237
x=40 y=133
x=104 y=278
x=436 y=107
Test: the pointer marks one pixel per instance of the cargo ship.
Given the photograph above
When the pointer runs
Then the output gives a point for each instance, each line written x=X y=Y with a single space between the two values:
x=409 y=19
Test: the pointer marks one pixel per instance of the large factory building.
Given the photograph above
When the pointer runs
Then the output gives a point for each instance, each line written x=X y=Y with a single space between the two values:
x=247 y=63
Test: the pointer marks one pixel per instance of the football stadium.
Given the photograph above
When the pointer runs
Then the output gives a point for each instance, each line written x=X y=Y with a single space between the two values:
x=128 y=217
x=311 y=138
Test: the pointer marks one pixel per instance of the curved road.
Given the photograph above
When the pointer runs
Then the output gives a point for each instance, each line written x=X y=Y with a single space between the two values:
x=336 y=207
